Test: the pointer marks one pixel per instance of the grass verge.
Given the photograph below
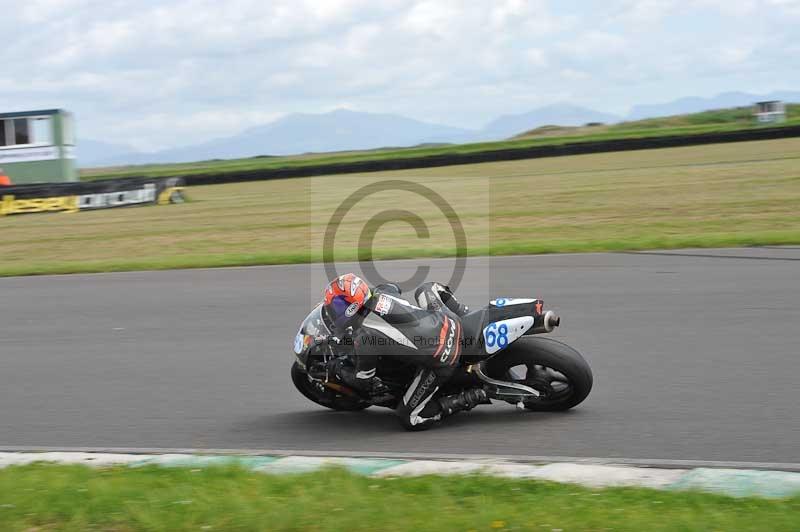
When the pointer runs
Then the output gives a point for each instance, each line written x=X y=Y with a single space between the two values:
x=722 y=195
x=49 y=497
x=720 y=240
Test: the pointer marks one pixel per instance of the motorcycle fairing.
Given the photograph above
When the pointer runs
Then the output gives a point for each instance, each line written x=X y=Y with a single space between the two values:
x=498 y=335
x=507 y=301
x=504 y=302
x=477 y=321
x=313 y=326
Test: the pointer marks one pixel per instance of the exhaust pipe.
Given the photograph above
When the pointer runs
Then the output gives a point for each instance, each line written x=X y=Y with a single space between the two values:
x=545 y=323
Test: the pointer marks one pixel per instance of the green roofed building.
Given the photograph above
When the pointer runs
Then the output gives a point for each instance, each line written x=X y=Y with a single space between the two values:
x=38 y=146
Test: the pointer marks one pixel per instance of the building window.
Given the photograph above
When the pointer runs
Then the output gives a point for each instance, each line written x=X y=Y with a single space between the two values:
x=36 y=130
x=21 y=133
x=42 y=130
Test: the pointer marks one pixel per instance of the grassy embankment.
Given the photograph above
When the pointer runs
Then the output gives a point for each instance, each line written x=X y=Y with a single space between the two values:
x=46 y=497
x=702 y=196
x=691 y=124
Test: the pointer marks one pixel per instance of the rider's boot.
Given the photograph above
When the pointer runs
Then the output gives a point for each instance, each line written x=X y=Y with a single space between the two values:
x=466 y=400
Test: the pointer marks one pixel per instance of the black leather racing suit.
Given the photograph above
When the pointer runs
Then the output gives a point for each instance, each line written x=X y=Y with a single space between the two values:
x=428 y=338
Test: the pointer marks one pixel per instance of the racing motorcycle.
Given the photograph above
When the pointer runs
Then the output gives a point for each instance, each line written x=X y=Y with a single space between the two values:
x=502 y=352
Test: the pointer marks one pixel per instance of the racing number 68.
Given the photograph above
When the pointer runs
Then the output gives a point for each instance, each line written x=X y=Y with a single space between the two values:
x=499 y=338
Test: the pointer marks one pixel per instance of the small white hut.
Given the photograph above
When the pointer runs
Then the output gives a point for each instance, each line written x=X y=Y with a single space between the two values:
x=770 y=111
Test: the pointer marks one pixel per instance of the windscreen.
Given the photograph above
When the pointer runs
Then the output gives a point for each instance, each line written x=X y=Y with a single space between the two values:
x=312 y=326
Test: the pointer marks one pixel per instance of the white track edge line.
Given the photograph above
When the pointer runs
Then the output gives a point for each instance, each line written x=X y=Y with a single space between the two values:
x=634 y=462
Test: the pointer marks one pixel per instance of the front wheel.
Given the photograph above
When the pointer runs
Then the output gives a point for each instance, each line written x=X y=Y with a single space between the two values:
x=556 y=370
x=324 y=396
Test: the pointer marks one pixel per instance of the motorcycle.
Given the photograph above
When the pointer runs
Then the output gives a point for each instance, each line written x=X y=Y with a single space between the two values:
x=502 y=351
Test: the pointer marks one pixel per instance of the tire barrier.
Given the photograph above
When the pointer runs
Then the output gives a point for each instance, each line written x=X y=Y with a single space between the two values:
x=508 y=154
x=88 y=196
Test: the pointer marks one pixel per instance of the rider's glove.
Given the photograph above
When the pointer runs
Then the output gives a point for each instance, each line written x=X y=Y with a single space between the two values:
x=334 y=369
x=327 y=340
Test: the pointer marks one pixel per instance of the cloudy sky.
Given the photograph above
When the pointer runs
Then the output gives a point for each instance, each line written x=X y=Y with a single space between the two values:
x=163 y=73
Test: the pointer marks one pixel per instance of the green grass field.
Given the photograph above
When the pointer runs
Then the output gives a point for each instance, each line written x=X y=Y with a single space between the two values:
x=75 y=498
x=691 y=124
x=703 y=196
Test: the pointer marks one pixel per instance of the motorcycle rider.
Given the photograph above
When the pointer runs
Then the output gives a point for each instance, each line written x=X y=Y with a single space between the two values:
x=380 y=323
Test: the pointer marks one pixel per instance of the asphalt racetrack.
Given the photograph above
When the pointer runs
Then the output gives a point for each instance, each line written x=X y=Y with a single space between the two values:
x=696 y=356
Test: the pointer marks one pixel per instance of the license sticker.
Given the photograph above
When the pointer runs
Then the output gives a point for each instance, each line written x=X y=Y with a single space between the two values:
x=298 y=343
x=384 y=305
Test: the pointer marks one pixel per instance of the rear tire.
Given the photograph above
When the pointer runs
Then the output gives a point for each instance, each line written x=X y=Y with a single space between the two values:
x=547 y=362
x=324 y=397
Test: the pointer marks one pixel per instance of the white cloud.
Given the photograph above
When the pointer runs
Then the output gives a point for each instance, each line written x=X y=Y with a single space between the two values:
x=168 y=72
x=573 y=75
x=788 y=7
x=737 y=8
x=643 y=13
x=42 y=10
x=536 y=57
x=593 y=44
x=432 y=18
x=733 y=55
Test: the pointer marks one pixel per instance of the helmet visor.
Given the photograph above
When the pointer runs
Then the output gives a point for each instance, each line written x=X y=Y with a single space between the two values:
x=339 y=313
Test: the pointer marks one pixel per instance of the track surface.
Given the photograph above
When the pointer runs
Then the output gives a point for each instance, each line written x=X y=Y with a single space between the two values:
x=696 y=355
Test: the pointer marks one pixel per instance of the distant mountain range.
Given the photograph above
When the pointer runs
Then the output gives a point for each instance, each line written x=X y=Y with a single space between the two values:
x=558 y=114
x=343 y=130
x=338 y=130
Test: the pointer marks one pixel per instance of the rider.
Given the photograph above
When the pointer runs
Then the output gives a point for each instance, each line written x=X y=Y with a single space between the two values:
x=381 y=323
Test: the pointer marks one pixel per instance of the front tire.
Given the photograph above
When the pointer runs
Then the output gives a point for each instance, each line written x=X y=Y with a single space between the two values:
x=547 y=365
x=324 y=396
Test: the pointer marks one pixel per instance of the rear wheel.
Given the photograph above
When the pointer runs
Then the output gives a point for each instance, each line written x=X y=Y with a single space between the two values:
x=322 y=395
x=556 y=370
